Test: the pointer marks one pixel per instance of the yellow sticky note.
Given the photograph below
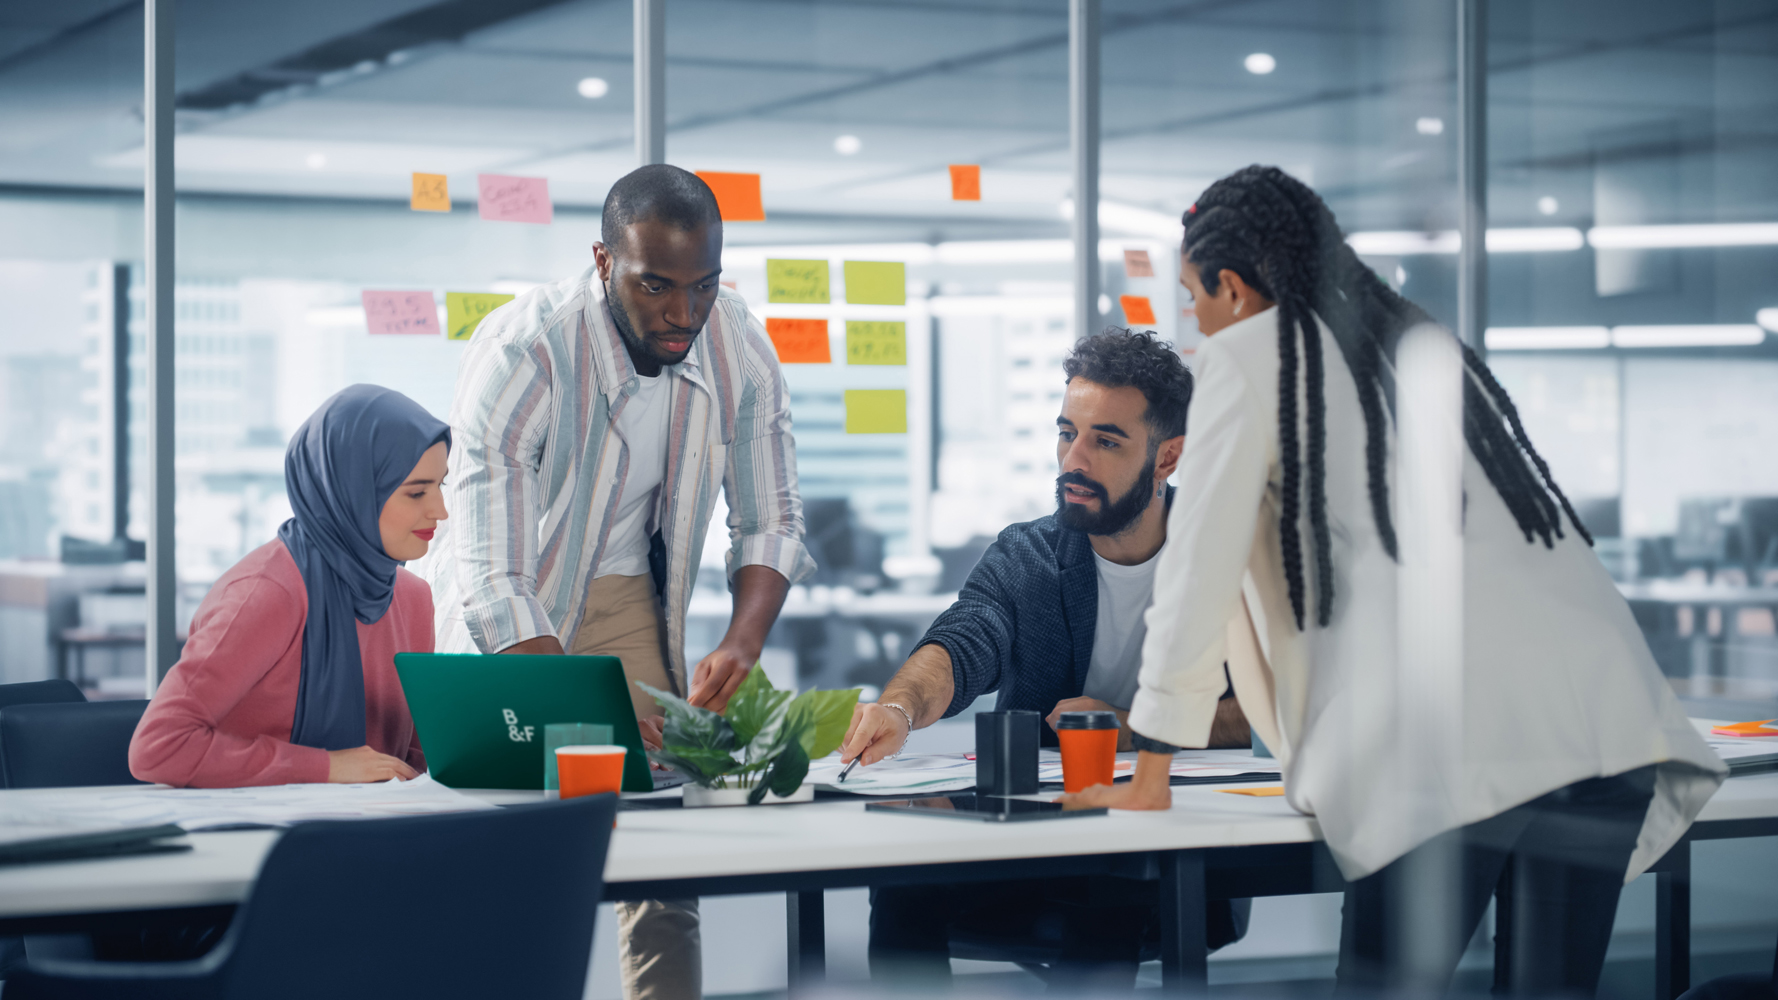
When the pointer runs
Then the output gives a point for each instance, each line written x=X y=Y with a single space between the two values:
x=876 y=283
x=1269 y=791
x=431 y=194
x=464 y=311
x=874 y=342
x=797 y=281
x=876 y=411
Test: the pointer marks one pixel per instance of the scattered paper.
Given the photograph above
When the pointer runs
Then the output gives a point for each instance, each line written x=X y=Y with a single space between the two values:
x=464 y=311
x=875 y=342
x=1136 y=308
x=1137 y=264
x=514 y=199
x=194 y=809
x=876 y=411
x=913 y=773
x=799 y=341
x=1742 y=753
x=966 y=182
x=431 y=194
x=400 y=312
x=1186 y=764
x=798 y=281
x=737 y=195
x=876 y=283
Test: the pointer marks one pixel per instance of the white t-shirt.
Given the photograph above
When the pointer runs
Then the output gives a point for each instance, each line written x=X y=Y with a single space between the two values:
x=1124 y=595
x=643 y=425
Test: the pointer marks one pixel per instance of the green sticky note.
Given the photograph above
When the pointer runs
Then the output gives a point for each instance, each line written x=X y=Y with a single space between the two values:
x=876 y=342
x=876 y=411
x=464 y=311
x=876 y=283
x=797 y=281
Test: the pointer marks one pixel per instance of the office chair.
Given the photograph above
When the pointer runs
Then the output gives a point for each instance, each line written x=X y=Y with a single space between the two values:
x=29 y=693
x=39 y=692
x=68 y=744
x=493 y=903
x=1032 y=938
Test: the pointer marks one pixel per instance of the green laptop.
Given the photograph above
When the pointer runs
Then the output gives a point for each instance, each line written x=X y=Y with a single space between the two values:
x=481 y=718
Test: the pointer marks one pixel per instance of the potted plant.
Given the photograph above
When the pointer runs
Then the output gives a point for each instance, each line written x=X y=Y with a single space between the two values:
x=759 y=749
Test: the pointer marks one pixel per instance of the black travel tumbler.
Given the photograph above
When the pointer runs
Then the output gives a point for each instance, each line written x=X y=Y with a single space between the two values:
x=1006 y=753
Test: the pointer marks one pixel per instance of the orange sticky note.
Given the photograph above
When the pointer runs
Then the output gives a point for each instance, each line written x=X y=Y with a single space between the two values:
x=966 y=182
x=1137 y=264
x=799 y=341
x=737 y=195
x=1270 y=791
x=1762 y=728
x=1136 y=308
x=431 y=194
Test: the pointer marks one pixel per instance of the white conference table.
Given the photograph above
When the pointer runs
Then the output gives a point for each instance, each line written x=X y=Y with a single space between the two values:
x=1211 y=845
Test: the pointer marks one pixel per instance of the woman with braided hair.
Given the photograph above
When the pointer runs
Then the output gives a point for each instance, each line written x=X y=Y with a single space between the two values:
x=1282 y=560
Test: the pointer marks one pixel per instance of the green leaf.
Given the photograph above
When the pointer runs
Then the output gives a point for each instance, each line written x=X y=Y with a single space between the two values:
x=707 y=772
x=786 y=775
x=822 y=717
x=696 y=742
x=754 y=705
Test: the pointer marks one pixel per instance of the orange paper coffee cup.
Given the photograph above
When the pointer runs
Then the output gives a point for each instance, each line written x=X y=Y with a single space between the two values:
x=1089 y=749
x=589 y=770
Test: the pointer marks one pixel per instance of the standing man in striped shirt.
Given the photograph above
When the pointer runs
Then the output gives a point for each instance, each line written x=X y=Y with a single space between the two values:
x=595 y=419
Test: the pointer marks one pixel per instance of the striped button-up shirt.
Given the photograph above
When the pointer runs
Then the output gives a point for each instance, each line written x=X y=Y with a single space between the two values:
x=537 y=466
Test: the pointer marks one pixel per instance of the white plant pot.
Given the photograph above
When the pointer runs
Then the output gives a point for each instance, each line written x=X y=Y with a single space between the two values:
x=698 y=795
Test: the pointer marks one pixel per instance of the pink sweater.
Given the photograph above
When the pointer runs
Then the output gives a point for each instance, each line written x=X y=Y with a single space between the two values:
x=222 y=717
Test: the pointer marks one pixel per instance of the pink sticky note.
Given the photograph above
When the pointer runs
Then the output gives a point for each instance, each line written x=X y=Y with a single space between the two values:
x=515 y=199
x=400 y=312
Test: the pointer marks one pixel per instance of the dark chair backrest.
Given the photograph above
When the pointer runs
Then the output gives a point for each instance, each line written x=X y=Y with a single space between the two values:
x=68 y=744
x=39 y=692
x=483 y=904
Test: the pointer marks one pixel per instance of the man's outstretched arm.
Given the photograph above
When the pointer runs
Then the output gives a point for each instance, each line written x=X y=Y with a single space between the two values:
x=923 y=686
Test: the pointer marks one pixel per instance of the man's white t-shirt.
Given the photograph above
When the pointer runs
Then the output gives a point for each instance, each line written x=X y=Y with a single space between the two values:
x=1124 y=596
x=643 y=424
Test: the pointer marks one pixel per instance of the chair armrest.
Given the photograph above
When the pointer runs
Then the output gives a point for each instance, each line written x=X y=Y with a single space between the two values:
x=195 y=980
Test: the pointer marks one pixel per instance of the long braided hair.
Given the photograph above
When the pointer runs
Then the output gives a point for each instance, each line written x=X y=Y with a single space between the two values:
x=1280 y=237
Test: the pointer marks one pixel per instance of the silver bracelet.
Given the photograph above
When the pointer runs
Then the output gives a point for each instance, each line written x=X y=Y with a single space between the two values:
x=910 y=732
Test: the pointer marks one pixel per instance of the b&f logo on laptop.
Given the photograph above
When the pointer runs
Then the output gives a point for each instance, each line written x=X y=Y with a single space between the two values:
x=514 y=731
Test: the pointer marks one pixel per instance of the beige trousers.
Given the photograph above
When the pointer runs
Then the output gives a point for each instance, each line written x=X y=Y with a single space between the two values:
x=659 y=952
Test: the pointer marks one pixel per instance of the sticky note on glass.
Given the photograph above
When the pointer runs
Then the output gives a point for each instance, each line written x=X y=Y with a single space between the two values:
x=431 y=194
x=514 y=199
x=966 y=182
x=400 y=312
x=1136 y=308
x=1137 y=264
x=876 y=411
x=876 y=283
x=737 y=196
x=799 y=341
x=872 y=342
x=464 y=311
x=797 y=281
x=1268 y=792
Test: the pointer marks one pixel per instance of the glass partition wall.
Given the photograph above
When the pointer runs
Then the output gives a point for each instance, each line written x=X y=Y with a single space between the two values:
x=1630 y=243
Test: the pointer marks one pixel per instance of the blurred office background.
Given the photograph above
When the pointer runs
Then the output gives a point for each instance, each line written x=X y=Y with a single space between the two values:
x=1633 y=291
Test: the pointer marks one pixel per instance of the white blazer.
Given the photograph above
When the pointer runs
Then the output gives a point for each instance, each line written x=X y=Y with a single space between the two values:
x=1558 y=683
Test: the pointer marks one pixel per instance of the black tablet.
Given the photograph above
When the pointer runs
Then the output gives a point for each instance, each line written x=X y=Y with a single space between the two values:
x=987 y=808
